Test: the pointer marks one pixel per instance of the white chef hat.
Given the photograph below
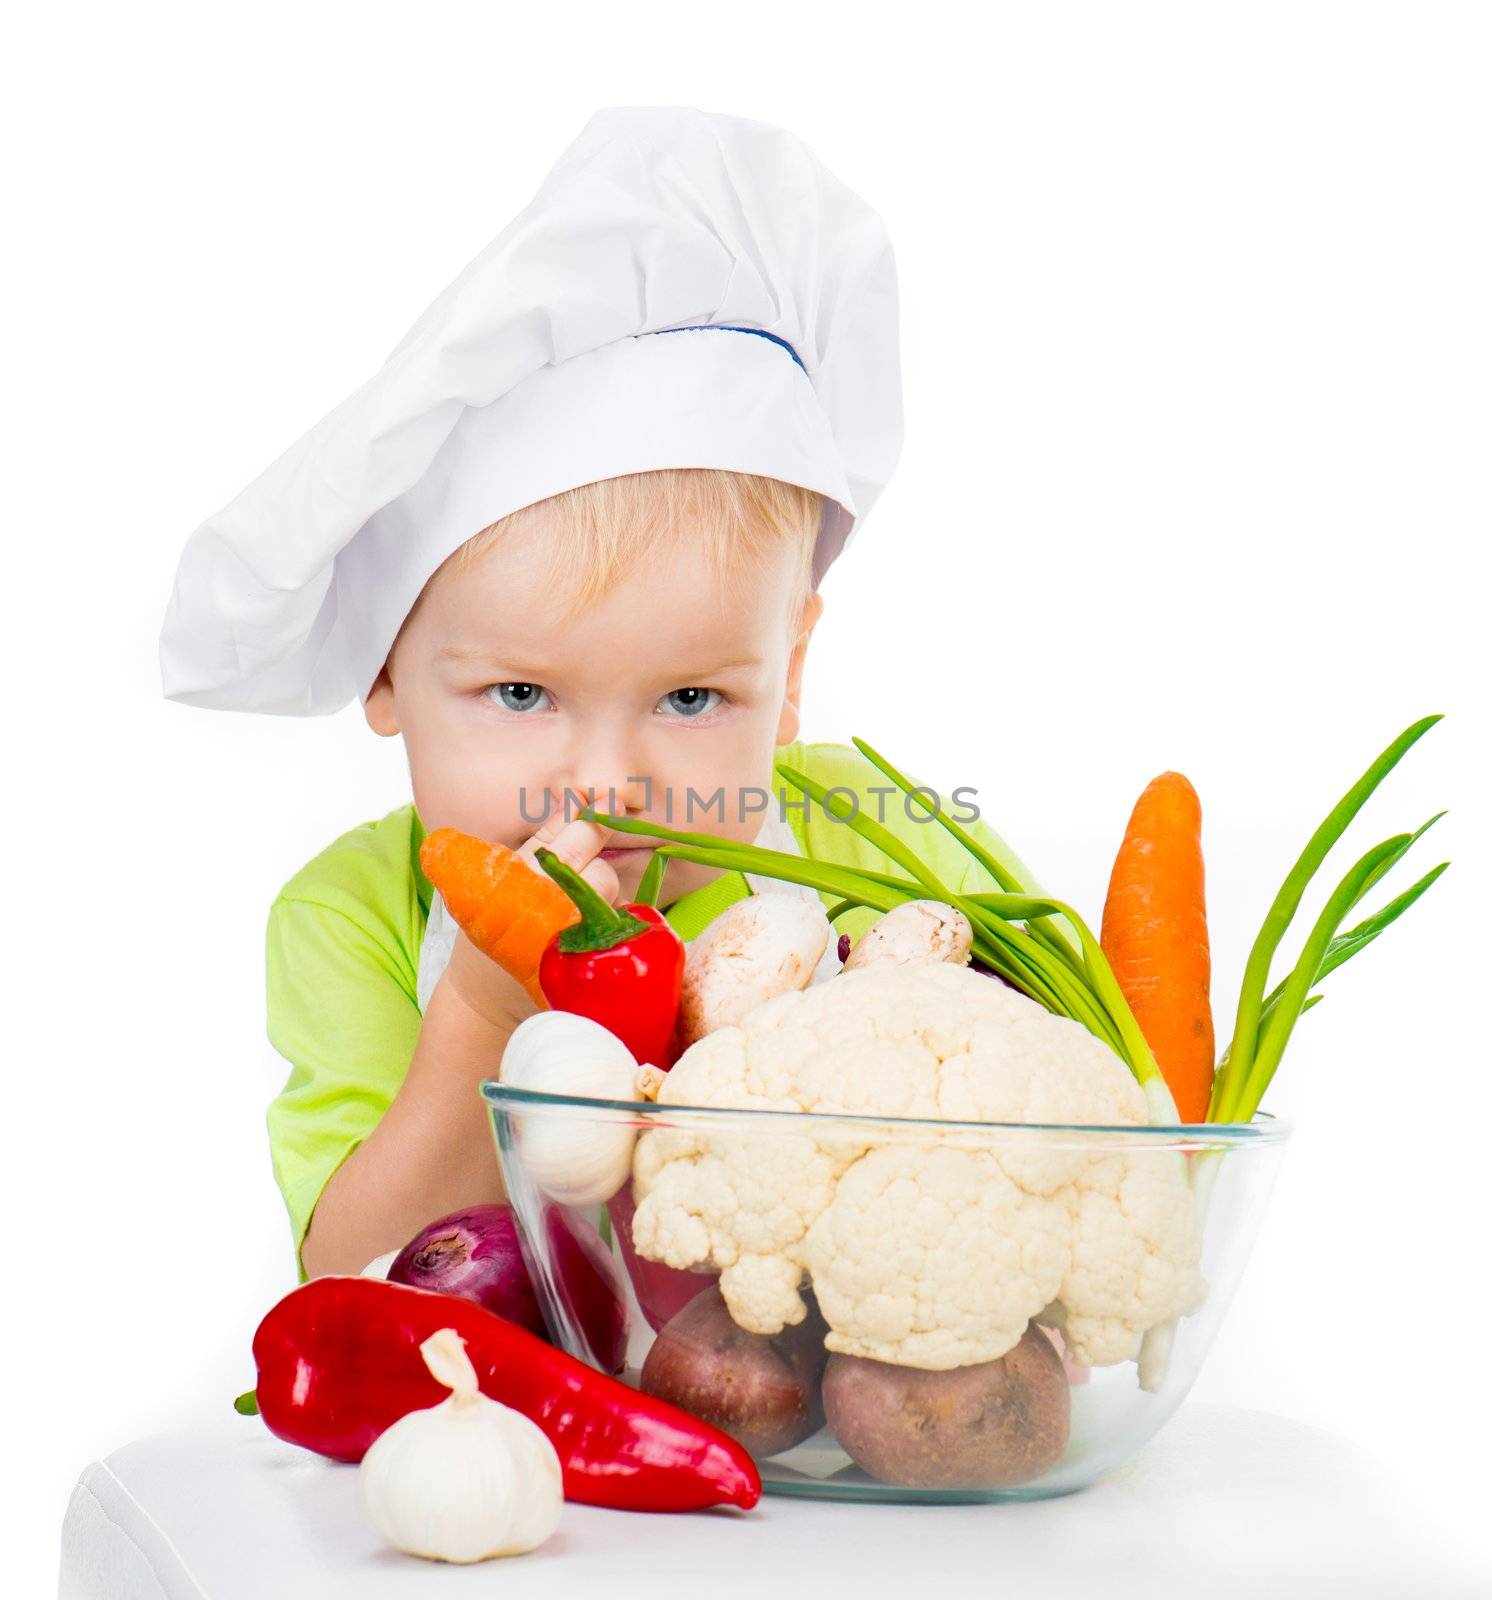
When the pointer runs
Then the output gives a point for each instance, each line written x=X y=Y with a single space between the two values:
x=531 y=375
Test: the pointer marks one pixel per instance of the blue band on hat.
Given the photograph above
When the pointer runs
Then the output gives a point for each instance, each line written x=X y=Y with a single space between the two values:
x=721 y=327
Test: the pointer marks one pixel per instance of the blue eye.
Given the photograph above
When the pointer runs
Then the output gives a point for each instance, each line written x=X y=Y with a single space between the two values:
x=691 y=702
x=519 y=696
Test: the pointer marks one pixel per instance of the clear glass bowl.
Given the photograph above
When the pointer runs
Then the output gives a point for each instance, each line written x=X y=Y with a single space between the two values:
x=1034 y=1423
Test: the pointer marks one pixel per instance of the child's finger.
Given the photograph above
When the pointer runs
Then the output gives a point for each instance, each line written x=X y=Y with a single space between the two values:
x=578 y=844
x=575 y=842
x=555 y=822
x=559 y=825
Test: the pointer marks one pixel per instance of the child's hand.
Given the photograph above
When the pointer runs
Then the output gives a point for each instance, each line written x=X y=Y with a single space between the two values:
x=485 y=988
x=431 y=1152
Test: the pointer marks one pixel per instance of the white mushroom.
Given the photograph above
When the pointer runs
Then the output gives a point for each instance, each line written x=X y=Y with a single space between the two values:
x=919 y=930
x=756 y=949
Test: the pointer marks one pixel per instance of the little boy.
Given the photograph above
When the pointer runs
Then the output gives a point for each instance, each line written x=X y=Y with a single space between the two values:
x=566 y=544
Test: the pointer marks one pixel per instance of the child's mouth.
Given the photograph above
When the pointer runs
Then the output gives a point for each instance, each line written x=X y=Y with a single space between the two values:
x=621 y=855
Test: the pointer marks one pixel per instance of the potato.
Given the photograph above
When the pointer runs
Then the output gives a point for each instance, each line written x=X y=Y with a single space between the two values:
x=763 y=1391
x=983 y=1427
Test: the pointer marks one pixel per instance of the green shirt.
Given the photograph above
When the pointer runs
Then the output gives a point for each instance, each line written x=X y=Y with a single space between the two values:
x=343 y=955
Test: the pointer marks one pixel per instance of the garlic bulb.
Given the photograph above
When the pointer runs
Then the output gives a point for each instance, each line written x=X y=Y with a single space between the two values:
x=468 y=1478
x=650 y=1080
x=575 y=1160
x=379 y=1266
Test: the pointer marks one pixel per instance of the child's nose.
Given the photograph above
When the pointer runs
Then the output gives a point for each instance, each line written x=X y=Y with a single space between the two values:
x=619 y=790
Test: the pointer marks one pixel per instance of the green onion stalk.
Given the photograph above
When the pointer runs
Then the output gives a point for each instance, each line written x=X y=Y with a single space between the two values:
x=1018 y=934
x=1264 y=1023
x=1013 y=932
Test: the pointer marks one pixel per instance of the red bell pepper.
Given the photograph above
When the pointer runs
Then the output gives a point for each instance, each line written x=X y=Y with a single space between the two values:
x=339 y=1361
x=621 y=966
x=662 y=1291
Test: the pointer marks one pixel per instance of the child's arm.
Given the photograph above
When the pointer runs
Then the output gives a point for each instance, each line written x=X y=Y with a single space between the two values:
x=431 y=1152
x=417 y=1137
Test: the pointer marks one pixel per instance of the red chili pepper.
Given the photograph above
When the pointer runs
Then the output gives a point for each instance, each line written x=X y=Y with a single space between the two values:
x=621 y=966
x=339 y=1361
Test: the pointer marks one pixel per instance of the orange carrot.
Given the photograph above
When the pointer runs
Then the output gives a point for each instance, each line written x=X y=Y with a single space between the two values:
x=508 y=909
x=1155 y=936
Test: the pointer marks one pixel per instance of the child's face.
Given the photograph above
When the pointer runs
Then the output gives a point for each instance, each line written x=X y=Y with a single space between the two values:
x=505 y=703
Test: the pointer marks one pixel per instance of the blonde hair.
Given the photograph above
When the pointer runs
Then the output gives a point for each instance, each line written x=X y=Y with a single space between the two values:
x=601 y=530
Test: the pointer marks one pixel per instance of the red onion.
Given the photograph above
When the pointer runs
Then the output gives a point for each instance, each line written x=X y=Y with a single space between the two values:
x=589 y=1286
x=477 y=1254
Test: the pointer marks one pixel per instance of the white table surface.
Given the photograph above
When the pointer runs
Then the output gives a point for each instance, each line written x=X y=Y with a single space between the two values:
x=1224 y=1503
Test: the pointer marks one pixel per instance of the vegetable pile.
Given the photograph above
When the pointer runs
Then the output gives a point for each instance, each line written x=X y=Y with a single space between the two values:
x=933 y=1298
x=1156 y=927
x=933 y=1266
x=920 y=1254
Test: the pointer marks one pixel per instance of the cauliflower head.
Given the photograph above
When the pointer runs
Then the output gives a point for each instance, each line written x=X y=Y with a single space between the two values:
x=934 y=1253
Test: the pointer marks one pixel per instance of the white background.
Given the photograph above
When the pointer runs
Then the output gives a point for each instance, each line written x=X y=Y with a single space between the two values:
x=1197 y=347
